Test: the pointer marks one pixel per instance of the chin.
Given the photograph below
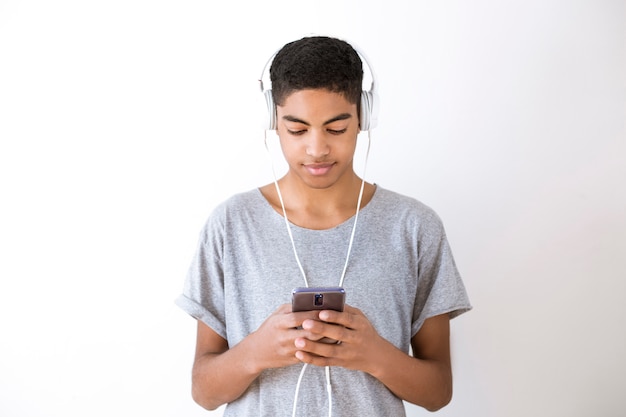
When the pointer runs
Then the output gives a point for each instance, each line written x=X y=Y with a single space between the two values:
x=319 y=185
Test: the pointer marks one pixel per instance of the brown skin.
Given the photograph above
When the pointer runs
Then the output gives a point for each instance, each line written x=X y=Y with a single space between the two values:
x=318 y=132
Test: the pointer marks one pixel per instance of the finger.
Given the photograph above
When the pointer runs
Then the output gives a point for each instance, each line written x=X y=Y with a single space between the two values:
x=319 y=327
x=296 y=319
x=326 y=332
x=317 y=353
x=346 y=318
x=314 y=360
x=303 y=331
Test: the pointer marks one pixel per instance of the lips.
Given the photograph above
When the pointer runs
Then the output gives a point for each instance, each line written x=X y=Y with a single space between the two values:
x=318 y=169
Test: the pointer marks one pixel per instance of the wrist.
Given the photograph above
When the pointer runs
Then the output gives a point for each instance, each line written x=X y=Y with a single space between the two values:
x=250 y=359
x=383 y=355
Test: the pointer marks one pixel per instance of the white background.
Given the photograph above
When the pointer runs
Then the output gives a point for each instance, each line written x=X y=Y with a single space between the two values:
x=123 y=123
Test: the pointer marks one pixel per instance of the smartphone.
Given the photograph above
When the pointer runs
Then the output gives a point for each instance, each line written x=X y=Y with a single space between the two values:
x=319 y=298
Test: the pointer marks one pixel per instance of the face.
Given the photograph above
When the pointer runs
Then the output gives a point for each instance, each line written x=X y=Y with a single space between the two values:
x=318 y=131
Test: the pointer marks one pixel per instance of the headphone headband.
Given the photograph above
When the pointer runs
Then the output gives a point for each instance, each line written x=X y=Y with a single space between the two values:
x=368 y=116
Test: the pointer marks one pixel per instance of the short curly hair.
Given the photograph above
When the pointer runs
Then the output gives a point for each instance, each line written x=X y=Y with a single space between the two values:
x=317 y=62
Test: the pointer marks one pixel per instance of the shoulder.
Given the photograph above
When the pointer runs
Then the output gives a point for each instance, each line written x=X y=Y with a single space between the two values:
x=240 y=202
x=406 y=216
x=234 y=210
x=243 y=199
x=403 y=206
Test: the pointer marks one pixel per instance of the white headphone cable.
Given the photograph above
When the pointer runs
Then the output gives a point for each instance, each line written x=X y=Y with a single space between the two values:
x=295 y=252
x=282 y=205
x=358 y=208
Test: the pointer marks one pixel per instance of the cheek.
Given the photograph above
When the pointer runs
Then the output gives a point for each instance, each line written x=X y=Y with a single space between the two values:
x=349 y=147
x=289 y=149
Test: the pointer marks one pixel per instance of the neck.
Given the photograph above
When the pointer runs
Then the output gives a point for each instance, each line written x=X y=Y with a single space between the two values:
x=319 y=208
x=341 y=195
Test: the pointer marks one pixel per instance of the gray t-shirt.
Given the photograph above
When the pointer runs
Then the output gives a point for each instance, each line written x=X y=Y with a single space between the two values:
x=400 y=273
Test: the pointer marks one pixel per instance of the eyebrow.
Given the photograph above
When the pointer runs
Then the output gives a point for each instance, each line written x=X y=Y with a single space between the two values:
x=342 y=116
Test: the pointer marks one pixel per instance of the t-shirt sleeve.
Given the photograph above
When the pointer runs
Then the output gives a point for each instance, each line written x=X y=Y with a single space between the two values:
x=203 y=291
x=440 y=288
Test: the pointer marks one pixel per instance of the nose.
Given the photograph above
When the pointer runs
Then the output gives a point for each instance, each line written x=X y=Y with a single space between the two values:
x=317 y=145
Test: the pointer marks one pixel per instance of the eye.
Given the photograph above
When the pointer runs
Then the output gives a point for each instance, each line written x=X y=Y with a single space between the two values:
x=296 y=132
x=337 y=132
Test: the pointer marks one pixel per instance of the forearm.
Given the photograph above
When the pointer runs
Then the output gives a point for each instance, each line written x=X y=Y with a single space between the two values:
x=220 y=378
x=221 y=373
x=425 y=379
x=427 y=383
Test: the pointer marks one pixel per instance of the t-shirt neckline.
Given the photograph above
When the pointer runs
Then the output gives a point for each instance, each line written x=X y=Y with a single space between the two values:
x=347 y=222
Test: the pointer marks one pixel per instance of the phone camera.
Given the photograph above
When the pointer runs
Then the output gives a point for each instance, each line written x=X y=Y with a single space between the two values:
x=319 y=299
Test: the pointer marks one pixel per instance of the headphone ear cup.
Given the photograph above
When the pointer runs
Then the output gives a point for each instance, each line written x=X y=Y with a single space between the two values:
x=270 y=122
x=368 y=116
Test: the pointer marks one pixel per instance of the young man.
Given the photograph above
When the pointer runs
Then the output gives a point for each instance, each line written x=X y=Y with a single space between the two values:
x=402 y=286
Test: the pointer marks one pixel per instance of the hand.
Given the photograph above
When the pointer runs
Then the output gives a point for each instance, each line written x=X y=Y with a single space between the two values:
x=359 y=343
x=272 y=345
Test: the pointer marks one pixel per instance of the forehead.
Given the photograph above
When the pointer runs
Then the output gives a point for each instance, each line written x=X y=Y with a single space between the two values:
x=317 y=101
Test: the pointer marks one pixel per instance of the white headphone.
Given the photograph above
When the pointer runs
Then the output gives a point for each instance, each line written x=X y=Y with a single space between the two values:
x=369 y=99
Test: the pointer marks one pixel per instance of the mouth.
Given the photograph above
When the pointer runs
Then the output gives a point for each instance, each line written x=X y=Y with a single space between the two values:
x=319 y=169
